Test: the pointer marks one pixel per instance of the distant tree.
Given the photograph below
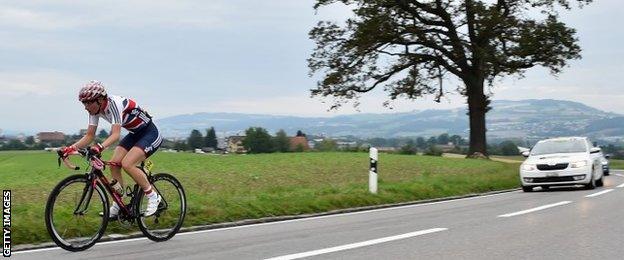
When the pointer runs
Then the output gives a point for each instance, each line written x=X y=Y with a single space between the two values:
x=180 y=146
x=103 y=134
x=431 y=141
x=258 y=140
x=299 y=133
x=420 y=143
x=30 y=140
x=327 y=145
x=508 y=148
x=195 y=140
x=211 y=138
x=15 y=145
x=299 y=148
x=456 y=140
x=281 y=142
x=443 y=139
x=433 y=151
x=408 y=148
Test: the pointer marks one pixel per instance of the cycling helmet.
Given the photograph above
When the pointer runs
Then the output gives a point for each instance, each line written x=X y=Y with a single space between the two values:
x=92 y=90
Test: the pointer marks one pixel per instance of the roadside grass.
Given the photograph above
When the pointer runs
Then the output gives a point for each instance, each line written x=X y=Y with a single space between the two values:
x=519 y=158
x=236 y=187
x=616 y=164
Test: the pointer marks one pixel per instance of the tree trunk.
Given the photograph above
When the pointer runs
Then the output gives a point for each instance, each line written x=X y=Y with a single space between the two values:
x=477 y=107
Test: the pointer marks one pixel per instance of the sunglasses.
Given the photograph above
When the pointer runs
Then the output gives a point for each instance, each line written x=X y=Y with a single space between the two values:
x=87 y=102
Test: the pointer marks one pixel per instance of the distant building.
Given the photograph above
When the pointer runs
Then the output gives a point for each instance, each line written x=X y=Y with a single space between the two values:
x=235 y=144
x=346 y=144
x=49 y=137
x=386 y=149
x=299 y=141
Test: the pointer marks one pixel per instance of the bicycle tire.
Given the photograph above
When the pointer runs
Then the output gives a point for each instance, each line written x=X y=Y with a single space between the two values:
x=53 y=199
x=176 y=213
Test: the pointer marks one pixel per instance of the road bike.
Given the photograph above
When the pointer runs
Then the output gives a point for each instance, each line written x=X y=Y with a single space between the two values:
x=77 y=211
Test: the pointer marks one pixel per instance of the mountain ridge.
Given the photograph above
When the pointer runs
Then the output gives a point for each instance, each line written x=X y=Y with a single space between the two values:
x=531 y=118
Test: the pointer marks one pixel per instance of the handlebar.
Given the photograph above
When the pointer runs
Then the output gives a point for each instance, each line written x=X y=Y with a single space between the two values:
x=65 y=157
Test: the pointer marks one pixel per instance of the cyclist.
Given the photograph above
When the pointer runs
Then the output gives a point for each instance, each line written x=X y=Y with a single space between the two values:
x=141 y=142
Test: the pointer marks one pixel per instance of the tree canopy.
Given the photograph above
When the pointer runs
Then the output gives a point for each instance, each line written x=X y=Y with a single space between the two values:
x=410 y=47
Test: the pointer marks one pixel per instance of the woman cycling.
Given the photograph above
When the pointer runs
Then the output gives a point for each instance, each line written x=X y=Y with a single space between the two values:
x=141 y=142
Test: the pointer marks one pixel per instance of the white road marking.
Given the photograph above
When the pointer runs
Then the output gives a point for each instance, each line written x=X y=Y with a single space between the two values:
x=534 y=209
x=598 y=193
x=621 y=185
x=356 y=245
x=283 y=221
x=621 y=175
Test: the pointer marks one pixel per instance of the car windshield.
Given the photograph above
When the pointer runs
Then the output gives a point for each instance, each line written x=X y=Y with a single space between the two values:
x=559 y=146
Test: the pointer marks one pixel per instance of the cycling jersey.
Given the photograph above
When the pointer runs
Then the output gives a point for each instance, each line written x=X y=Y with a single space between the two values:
x=123 y=111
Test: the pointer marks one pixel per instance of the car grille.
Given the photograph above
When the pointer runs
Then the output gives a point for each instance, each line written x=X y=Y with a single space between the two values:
x=553 y=179
x=546 y=167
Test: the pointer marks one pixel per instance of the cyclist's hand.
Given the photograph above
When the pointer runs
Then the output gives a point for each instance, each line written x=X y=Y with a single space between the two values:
x=65 y=151
x=96 y=149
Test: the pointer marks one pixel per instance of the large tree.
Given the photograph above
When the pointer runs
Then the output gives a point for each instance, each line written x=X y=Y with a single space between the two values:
x=210 y=140
x=258 y=140
x=411 y=47
x=195 y=140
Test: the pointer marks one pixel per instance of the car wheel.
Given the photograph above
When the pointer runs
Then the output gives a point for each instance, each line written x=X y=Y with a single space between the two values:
x=599 y=182
x=592 y=182
x=606 y=173
x=527 y=188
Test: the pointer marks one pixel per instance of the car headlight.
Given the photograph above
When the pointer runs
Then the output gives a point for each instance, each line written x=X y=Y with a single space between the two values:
x=578 y=164
x=528 y=167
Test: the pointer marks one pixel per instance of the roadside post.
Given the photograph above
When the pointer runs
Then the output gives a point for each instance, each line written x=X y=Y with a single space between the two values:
x=372 y=173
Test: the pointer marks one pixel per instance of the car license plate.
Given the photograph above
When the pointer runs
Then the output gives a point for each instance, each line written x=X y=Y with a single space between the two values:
x=552 y=174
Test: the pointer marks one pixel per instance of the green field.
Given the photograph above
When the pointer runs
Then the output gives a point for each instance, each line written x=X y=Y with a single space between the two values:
x=616 y=164
x=235 y=187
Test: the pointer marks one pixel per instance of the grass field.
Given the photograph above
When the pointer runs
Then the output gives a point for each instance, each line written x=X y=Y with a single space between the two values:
x=616 y=164
x=235 y=187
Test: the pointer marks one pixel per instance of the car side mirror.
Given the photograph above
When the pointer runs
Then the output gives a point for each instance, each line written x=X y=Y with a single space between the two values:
x=526 y=153
x=607 y=156
x=594 y=150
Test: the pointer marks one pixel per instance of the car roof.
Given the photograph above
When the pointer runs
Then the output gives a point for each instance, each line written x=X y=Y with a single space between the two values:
x=564 y=139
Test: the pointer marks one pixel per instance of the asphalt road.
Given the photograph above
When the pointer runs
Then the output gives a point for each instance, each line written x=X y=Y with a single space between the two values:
x=562 y=223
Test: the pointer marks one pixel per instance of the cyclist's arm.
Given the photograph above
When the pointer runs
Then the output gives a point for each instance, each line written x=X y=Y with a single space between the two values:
x=113 y=137
x=87 y=138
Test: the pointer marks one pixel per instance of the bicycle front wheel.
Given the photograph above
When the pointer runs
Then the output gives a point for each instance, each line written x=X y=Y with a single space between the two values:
x=72 y=214
x=168 y=219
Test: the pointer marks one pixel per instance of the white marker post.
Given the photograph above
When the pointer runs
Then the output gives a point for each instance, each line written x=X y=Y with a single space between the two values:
x=372 y=173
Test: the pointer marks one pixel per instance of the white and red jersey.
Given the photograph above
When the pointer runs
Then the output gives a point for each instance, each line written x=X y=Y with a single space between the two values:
x=123 y=111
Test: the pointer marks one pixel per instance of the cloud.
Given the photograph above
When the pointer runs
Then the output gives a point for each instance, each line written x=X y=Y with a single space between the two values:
x=42 y=83
x=63 y=15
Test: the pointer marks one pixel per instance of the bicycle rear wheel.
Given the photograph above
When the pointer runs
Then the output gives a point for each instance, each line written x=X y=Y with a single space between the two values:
x=72 y=214
x=168 y=219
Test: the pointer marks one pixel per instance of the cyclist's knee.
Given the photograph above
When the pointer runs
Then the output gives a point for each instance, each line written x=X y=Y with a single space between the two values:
x=127 y=164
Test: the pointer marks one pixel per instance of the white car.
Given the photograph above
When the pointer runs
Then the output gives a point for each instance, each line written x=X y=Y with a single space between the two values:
x=562 y=161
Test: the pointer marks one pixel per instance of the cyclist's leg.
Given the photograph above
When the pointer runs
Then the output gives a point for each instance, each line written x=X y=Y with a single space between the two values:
x=129 y=162
x=115 y=167
x=120 y=152
x=149 y=141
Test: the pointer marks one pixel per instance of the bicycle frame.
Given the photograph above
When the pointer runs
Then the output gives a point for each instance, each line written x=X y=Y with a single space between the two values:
x=95 y=176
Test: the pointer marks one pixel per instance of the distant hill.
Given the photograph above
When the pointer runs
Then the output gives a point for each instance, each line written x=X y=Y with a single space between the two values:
x=507 y=119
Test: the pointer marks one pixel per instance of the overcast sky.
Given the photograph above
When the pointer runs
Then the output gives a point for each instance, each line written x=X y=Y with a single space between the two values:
x=181 y=57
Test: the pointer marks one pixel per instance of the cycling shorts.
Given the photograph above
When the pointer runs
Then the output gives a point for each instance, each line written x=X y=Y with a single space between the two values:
x=148 y=139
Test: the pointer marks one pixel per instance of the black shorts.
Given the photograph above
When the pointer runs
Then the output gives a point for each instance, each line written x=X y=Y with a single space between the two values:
x=148 y=139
